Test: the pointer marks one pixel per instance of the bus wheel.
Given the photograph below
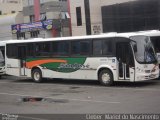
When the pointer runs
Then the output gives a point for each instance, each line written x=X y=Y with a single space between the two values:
x=105 y=77
x=37 y=75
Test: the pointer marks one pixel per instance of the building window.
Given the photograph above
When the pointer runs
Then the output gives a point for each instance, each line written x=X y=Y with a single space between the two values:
x=43 y=16
x=13 y=11
x=12 y=1
x=20 y=35
x=32 y=18
x=42 y=1
x=34 y=34
x=79 y=16
x=87 y=16
x=30 y=2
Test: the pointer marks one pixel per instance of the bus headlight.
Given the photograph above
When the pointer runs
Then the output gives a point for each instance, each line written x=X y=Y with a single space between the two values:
x=155 y=68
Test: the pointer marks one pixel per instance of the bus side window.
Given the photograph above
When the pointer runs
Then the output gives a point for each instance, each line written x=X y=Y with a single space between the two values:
x=107 y=47
x=85 y=47
x=12 y=51
x=2 y=49
x=30 y=49
x=43 y=49
x=81 y=47
x=156 y=43
x=75 y=47
x=60 y=48
x=97 y=47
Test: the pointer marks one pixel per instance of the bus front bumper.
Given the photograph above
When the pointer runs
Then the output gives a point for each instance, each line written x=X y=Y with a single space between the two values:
x=2 y=71
x=147 y=77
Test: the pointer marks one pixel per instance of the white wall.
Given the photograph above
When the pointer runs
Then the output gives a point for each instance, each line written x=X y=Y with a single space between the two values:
x=7 y=8
x=5 y=24
x=96 y=17
x=77 y=30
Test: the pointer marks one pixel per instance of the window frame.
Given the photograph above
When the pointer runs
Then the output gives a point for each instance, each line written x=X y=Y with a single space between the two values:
x=101 y=52
x=59 y=53
x=89 y=53
x=12 y=51
x=42 y=52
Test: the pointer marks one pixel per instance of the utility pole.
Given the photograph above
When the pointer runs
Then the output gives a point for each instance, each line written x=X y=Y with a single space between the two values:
x=37 y=10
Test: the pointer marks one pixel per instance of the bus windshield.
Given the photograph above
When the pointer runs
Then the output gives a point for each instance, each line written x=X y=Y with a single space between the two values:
x=143 y=49
x=1 y=59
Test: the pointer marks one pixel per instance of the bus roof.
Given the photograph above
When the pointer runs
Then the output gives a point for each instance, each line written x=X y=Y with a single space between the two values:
x=104 y=35
x=151 y=33
x=3 y=43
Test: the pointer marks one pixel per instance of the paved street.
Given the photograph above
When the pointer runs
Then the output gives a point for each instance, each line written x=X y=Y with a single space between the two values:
x=77 y=97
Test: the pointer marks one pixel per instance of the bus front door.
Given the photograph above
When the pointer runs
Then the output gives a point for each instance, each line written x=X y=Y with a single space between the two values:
x=125 y=61
x=22 y=59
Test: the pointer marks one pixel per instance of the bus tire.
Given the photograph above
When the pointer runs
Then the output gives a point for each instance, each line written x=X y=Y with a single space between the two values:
x=37 y=75
x=106 y=77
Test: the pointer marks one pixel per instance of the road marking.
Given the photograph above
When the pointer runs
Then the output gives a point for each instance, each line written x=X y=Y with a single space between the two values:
x=81 y=100
x=97 y=101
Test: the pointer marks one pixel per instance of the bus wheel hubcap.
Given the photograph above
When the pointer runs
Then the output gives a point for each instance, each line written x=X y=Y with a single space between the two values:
x=105 y=78
x=36 y=76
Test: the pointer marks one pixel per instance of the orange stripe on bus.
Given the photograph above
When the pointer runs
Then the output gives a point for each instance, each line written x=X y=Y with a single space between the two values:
x=40 y=62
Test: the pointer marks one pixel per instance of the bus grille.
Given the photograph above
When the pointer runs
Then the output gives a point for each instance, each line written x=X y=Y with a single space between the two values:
x=147 y=71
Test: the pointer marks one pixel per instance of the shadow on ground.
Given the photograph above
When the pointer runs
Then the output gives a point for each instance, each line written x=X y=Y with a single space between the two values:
x=90 y=82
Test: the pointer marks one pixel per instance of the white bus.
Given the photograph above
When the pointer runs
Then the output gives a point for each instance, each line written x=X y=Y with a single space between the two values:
x=2 y=58
x=107 y=58
x=155 y=39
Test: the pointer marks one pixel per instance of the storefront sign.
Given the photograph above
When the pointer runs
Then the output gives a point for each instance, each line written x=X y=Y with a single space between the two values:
x=26 y=27
x=97 y=29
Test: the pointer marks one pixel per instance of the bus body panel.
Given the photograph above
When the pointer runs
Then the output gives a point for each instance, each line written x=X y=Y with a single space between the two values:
x=146 y=72
x=12 y=67
x=90 y=72
x=87 y=70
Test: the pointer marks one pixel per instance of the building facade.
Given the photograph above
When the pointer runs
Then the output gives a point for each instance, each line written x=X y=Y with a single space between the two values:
x=10 y=13
x=43 y=18
x=55 y=18
x=14 y=6
x=99 y=16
